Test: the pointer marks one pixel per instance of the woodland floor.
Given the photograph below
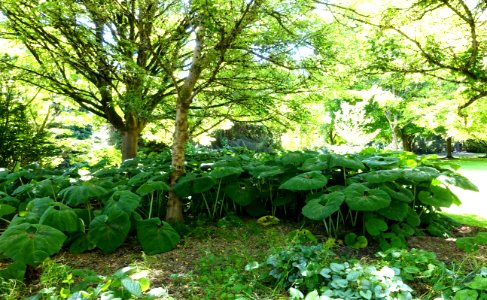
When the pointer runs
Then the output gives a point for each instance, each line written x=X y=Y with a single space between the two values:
x=175 y=270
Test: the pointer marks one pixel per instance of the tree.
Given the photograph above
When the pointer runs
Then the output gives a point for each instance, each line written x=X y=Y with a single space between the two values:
x=131 y=62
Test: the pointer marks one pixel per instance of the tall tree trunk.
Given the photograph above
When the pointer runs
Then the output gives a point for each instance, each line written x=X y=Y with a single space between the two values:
x=130 y=139
x=407 y=142
x=174 y=212
x=449 y=147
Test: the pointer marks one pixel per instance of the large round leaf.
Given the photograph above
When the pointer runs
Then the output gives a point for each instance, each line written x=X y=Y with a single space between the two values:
x=150 y=187
x=6 y=209
x=382 y=176
x=156 y=236
x=31 y=243
x=108 y=232
x=317 y=163
x=458 y=180
x=398 y=192
x=191 y=184
x=124 y=200
x=396 y=211
x=305 y=182
x=38 y=206
x=346 y=162
x=264 y=171
x=324 y=206
x=80 y=194
x=25 y=188
x=221 y=172
x=420 y=174
x=381 y=162
x=437 y=196
x=241 y=193
x=61 y=217
x=139 y=178
x=375 y=225
x=360 y=197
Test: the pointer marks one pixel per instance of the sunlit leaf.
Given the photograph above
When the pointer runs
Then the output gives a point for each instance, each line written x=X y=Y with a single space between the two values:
x=305 y=182
x=156 y=236
x=324 y=206
x=359 y=197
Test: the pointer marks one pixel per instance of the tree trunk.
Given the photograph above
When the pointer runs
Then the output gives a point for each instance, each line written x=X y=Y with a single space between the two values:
x=174 y=212
x=407 y=142
x=449 y=147
x=174 y=204
x=130 y=139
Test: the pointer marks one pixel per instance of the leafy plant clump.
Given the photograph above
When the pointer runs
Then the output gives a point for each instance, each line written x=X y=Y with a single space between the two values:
x=390 y=195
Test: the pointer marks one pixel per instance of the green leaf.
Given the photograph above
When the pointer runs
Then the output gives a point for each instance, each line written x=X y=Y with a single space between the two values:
x=61 y=217
x=381 y=162
x=413 y=218
x=124 y=200
x=437 y=196
x=351 y=163
x=221 y=172
x=324 y=206
x=466 y=295
x=264 y=171
x=317 y=163
x=420 y=174
x=397 y=192
x=25 y=188
x=31 y=243
x=375 y=226
x=81 y=244
x=382 y=176
x=14 y=271
x=191 y=184
x=283 y=200
x=38 y=206
x=150 y=187
x=80 y=194
x=458 y=180
x=132 y=286
x=108 y=232
x=359 y=197
x=242 y=193
x=139 y=178
x=156 y=236
x=478 y=283
x=396 y=211
x=305 y=182
x=6 y=209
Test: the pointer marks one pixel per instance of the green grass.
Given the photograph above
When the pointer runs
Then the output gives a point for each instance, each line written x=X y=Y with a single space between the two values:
x=474 y=204
x=468 y=219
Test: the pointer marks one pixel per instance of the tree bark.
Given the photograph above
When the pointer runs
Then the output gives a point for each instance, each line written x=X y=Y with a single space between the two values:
x=174 y=212
x=449 y=147
x=407 y=142
x=130 y=139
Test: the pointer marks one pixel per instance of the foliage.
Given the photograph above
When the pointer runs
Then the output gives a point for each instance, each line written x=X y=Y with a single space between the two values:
x=389 y=195
x=62 y=282
x=22 y=140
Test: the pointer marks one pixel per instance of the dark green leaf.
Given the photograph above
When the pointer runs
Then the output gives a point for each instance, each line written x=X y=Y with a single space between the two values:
x=437 y=197
x=6 y=209
x=25 y=188
x=242 y=193
x=61 y=217
x=351 y=163
x=317 y=163
x=108 y=232
x=150 y=187
x=156 y=236
x=324 y=206
x=305 y=182
x=396 y=211
x=382 y=176
x=360 y=197
x=420 y=174
x=221 y=172
x=139 y=178
x=375 y=226
x=124 y=200
x=31 y=243
x=80 y=194
x=382 y=162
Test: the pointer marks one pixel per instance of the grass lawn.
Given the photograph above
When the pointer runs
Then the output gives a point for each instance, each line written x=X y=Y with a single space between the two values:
x=474 y=204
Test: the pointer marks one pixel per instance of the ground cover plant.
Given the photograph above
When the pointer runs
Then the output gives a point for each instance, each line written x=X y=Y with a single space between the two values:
x=379 y=198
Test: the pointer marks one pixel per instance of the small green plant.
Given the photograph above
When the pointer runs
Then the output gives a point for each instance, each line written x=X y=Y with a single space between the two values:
x=353 y=281
x=474 y=289
x=60 y=282
x=300 y=265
